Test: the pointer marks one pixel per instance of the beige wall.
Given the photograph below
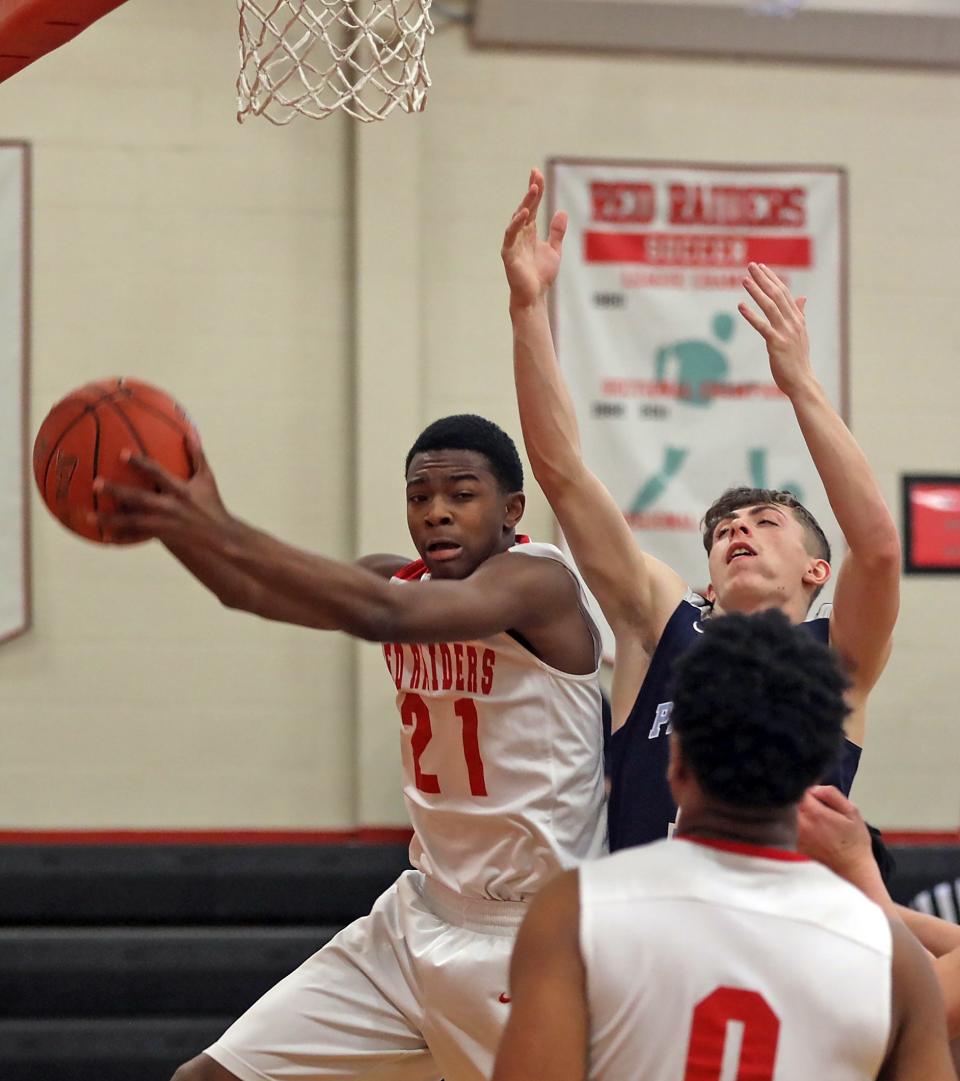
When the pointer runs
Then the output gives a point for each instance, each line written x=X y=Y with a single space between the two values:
x=221 y=262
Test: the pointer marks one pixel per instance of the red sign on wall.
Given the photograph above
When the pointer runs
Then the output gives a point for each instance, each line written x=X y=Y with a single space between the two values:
x=931 y=525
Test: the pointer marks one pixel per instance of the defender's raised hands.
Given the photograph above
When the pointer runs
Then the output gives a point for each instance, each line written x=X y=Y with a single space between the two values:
x=782 y=326
x=531 y=263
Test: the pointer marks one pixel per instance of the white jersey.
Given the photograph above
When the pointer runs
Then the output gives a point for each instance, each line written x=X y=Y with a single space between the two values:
x=715 y=960
x=502 y=758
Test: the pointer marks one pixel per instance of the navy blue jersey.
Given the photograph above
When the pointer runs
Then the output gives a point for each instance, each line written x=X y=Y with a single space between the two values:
x=641 y=808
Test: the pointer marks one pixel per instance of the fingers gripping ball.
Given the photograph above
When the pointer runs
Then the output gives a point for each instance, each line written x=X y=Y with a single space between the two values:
x=83 y=436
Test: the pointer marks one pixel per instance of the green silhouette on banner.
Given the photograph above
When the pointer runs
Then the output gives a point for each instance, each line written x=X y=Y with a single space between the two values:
x=696 y=364
x=673 y=459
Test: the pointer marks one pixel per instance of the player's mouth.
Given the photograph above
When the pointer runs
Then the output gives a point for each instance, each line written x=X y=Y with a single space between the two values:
x=443 y=550
x=740 y=551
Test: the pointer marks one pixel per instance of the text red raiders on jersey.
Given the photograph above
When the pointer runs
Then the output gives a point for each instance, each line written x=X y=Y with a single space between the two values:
x=502 y=758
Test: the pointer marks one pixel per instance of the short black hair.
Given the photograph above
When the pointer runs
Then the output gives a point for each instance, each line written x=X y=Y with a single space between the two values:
x=466 y=431
x=758 y=709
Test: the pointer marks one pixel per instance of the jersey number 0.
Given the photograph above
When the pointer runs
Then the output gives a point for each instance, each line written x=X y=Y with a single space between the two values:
x=711 y=1032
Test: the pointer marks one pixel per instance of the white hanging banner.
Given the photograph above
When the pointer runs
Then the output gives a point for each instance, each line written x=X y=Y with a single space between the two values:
x=672 y=386
x=14 y=555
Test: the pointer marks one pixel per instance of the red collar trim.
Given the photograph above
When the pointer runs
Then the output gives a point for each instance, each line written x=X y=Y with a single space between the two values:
x=742 y=849
x=412 y=571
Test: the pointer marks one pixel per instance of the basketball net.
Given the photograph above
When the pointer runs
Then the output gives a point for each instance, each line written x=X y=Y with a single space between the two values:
x=313 y=57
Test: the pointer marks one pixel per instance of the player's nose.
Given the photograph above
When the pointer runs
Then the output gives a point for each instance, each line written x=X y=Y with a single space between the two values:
x=438 y=513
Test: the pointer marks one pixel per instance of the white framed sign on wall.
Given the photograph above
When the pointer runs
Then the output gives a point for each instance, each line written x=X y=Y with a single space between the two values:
x=14 y=381
x=672 y=386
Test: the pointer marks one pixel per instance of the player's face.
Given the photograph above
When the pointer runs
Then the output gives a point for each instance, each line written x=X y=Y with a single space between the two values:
x=457 y=513
x=759 y=559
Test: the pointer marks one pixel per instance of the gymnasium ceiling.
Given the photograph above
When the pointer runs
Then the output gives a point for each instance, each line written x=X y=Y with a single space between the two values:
x=913 y=32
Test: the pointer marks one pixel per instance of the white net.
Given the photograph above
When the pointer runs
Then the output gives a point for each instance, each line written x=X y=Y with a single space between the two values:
x=312 y=57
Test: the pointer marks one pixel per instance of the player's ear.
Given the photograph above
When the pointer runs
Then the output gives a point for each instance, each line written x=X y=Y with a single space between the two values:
x=817 y=573
x=710 y=594
x=516 y=503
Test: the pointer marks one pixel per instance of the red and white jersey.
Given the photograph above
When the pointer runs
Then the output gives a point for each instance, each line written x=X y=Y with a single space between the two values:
x=706 y=959
x=502 y=758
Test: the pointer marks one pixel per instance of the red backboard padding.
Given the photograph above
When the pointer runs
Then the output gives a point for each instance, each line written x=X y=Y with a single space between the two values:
x=31 y=28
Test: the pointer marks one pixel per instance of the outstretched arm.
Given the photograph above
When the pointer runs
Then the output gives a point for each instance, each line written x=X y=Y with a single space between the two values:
x=867 y=595
x=548 y=1030
x=232 y=586
x=252 y=570
x=636 y=592
x=833 y=832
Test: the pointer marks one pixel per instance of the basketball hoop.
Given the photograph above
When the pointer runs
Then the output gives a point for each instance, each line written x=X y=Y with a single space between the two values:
x=313 y=57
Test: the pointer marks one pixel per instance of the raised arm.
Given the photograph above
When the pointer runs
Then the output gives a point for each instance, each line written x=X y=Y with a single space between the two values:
x=636 y=592
x=867 y=595
x=546 y=1038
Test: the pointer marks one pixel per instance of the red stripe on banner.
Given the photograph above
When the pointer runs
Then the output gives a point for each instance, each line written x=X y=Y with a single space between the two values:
x=697 y=249
x=371 y=835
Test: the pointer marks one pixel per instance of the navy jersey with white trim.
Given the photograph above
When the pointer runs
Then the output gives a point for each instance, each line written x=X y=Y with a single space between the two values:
x=641 y=808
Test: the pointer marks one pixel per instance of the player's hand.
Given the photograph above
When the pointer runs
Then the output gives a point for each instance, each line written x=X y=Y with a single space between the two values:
x=175 y=510
x=782 y=326
x=832 y=831
x=531 y=263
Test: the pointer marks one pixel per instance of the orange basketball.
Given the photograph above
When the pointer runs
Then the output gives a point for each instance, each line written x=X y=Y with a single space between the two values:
x=83 y=435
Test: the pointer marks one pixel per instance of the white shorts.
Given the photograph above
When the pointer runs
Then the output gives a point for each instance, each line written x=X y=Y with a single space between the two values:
x=415 y=991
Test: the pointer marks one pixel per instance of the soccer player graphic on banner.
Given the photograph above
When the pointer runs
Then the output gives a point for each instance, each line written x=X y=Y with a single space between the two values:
x=495 y=660
x=764 y=549
x=726 y=953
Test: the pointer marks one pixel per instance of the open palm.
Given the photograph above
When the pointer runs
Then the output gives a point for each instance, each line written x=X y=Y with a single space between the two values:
x=532 y=264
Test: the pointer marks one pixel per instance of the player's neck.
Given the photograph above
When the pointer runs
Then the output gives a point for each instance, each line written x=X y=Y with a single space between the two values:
x=722 y=822
x=794 y=608
x=507 y=541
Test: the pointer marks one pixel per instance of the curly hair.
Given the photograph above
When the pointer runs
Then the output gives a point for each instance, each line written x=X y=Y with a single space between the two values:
x=466 y=431
x=758 y=709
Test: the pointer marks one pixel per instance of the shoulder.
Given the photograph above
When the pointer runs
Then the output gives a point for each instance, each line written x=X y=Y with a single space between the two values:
x=557 y=905
x=385 y=565
x=685 y=623
x=615 y=876
x=516 y=567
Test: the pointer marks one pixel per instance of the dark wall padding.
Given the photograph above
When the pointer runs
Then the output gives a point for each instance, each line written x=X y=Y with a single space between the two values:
x=176 y=884
x=119 y=962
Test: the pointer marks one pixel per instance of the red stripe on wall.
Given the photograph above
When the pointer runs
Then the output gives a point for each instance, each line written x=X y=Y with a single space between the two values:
x=697 y=249
x=373 y=835
x=922 y=837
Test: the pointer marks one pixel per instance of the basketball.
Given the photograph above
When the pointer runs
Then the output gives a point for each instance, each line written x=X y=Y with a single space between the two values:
x=83 y=436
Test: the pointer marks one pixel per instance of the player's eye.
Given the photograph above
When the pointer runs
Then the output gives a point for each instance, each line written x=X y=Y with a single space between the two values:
x=767 y=521
x=722 y=531
x=465 y=495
